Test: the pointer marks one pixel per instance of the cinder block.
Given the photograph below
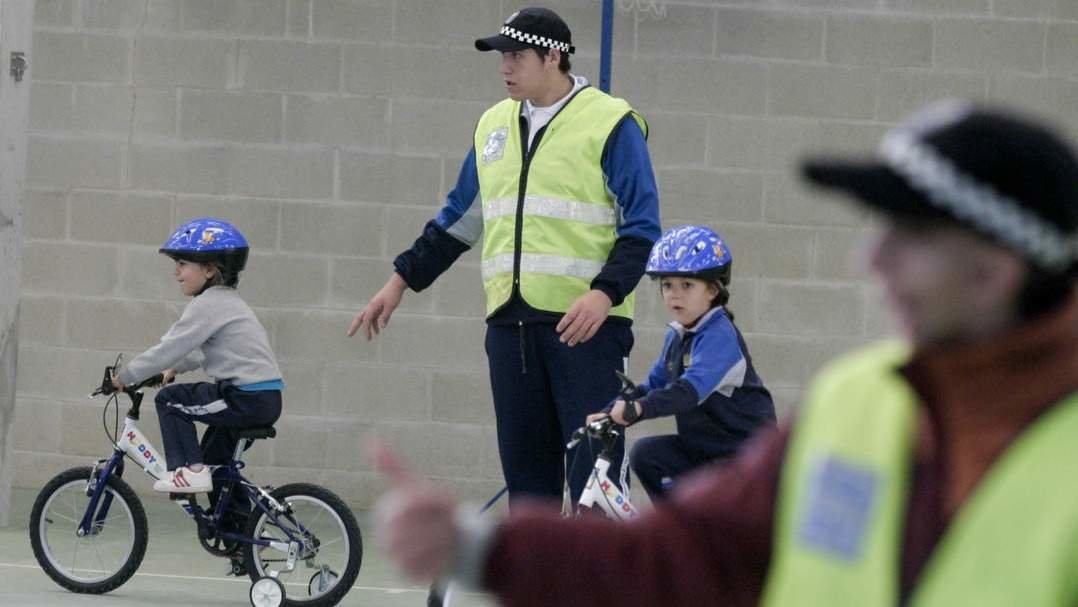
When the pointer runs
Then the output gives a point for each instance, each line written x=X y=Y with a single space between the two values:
x=1035 y=9
x=147 y=274
x=35 y=424
x=285 y=280
x=143 y=15
x=840 y=255
x=446 y=23
x=108 y=217
x=67 y=162
x=1051 y=97
x=369 y=69
x=189 y=168
x=80 y=57
x=700 y=195
x=1062 y=52
x=370 y=21
x=789 y=200
x=821 y=91
x=32 y=469
x=81 y=432
x=51 y=106
x=337 y=121
x=242 y=17
x=378 y=394
x=585 y=21
x=492 y=463
x=404 y=224
x=879 y=40
x=440 y=342
x=675 y=139
x=738 y=143
x=459 y=292
x=338 y=229
x=711 y=86
x=431 y=125
x=121 y=325
x=989 y=44
x=686 y=31
x=314 y=334
x=54 y=13
x=355 y=282
x=743 y=296
x=108 y=108
x=462 y=398
x=769 y=34
x=55 y=267
x=939 y=7
x=453 y=450
x=634 y=78
x=303 y=386
x=231 y=116
x=44 y=214
x=185 y=62
x=282 y=173
x=788 y=401
x=902 y=92
x=299 y=19
x=346 y=445
x=289 y=66
x=392 y=178
x=257 y=218
x=769 y=251
x=300 y=442
x=456 y=73
x=811 y=309
x=41 y=320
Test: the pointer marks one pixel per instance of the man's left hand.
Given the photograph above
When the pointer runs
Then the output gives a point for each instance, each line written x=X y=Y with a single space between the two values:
x=584 y=317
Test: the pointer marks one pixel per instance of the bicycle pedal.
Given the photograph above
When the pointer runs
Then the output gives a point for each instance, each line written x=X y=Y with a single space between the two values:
x=237 y=568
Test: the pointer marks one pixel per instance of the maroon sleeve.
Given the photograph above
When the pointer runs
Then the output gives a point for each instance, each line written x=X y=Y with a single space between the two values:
x=710 y=542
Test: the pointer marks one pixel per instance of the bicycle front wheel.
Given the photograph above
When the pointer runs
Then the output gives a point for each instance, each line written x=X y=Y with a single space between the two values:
x=331 y=546
x=105 y=557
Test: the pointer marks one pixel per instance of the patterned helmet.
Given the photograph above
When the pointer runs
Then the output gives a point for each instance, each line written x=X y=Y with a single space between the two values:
x=210 y=240
x=689 y=250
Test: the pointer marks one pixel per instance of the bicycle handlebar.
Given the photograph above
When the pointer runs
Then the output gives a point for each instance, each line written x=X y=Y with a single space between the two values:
x=602 y=429
x=107 y=388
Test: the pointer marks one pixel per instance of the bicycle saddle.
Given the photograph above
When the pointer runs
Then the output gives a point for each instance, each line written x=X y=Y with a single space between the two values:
x=252 y=433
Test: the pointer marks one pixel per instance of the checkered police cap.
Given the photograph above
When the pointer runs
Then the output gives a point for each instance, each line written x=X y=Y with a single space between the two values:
x=528 y=28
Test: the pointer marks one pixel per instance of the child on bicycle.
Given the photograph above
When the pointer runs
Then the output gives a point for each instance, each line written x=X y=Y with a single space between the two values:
x=219 y=333
x=704 y=376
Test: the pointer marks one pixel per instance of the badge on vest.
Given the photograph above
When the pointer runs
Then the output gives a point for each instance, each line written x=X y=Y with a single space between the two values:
x=838 y=506
x=495 y=145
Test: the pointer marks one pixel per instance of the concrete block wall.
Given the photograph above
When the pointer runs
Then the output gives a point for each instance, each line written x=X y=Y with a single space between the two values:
x=330 y=130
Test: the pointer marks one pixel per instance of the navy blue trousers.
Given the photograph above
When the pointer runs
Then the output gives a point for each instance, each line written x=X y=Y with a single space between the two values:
x=543 y=390
x=659 y=460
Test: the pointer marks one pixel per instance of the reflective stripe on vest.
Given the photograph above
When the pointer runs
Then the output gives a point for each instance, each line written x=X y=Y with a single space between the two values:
x=845 y=488
x=569 y=221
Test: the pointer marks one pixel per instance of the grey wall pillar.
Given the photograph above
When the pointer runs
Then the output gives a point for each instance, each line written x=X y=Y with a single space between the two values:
x=16 y=27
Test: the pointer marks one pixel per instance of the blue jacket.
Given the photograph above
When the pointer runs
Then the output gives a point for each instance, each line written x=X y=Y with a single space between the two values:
x=705 y=378
x=459 y=225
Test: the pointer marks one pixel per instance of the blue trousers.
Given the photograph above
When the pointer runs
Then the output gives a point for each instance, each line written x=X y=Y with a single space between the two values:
x=543 y=390
x=659 y=460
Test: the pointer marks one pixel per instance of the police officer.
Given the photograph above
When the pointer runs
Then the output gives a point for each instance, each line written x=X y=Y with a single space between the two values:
x=559 y=184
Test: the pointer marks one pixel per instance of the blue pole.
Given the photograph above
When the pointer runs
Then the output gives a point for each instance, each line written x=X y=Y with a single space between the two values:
x=604 y=49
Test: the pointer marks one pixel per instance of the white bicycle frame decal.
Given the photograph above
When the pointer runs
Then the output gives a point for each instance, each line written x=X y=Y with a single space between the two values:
x=605 y=493
x=136 y=445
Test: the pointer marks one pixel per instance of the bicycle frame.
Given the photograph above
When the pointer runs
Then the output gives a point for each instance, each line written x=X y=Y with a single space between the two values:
x=605 y=493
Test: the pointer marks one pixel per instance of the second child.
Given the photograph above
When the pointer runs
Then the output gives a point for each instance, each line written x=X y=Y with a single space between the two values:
x=704 y=376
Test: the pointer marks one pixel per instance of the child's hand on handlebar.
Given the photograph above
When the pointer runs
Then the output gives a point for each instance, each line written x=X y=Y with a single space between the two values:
x=622 y=415
x=167 y=377
x=116 y=383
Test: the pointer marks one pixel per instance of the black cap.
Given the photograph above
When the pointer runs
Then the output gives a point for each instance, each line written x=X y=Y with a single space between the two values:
x=529 y=28
x=996 y=172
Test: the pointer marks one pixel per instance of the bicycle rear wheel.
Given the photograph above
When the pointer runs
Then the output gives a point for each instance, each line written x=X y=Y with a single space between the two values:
x=100 y=560
x=332 y=549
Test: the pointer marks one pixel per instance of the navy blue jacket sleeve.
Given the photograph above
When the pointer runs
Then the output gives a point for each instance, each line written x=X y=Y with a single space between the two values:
x=631 y=182
x=456 y=228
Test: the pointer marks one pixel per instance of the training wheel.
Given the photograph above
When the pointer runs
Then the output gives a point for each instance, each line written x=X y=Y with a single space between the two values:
x=267 y=592
x=321 y=582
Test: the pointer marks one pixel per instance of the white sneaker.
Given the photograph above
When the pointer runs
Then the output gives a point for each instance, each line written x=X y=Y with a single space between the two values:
x=183 y=480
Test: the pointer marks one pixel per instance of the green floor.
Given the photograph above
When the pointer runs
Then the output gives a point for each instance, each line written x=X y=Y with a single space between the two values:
x=177 y=571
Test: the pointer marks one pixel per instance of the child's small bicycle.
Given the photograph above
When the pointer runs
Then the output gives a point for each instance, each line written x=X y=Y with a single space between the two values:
x=600 y=495
x=88 y=528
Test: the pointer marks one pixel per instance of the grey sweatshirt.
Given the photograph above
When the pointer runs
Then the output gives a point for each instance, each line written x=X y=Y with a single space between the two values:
x=217 y=331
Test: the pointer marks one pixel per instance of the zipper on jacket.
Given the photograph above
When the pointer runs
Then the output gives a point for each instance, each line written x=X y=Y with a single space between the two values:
x=522 y=188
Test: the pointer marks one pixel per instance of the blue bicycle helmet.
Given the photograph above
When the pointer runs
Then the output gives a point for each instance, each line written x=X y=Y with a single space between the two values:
x=689 y=250
x=210 y=240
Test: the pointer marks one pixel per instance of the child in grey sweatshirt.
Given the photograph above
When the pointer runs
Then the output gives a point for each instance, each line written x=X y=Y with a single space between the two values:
x=219 y=333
